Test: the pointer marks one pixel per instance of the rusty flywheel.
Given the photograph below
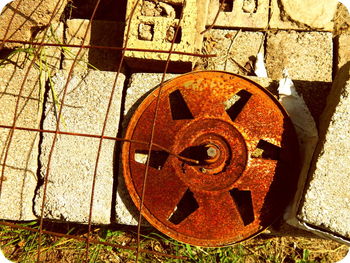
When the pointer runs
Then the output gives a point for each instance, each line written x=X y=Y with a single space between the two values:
x=247 y=152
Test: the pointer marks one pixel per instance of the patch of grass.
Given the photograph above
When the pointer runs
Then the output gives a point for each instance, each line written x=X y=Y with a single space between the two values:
x=21 y=246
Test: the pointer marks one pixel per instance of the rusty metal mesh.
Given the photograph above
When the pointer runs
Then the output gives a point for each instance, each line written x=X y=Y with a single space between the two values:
x=44 y=227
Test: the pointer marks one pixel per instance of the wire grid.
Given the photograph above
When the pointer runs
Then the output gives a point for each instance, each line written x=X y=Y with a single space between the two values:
x=38 y=47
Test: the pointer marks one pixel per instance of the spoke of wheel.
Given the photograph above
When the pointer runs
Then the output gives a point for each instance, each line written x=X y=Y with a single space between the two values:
x=164 y=135
x=217 y=216
x=258 y=179
x=164 y=189
x=202 y=105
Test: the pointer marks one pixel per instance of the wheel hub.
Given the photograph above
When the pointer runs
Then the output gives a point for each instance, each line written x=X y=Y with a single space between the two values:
x=211 y=174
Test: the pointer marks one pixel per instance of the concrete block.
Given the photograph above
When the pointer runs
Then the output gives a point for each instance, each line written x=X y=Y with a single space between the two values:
x=239 y=13
x=315 y=95
x=153 y=26
x=343 y=51
x=341 y=20
x=306 y=55
x=234 y=49
x=279 y=20
x=139 y=86
x=100 y=33
x=326 y=204
x=73 y=161
x=20 y=174
x=304 y=15
x=29 y=15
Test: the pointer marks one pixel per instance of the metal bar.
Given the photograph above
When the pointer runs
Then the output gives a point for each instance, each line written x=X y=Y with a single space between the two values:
x=221 y=7
x=104 y=128
x=10 y=135
x=144 y=184
x=112 y=48
x=103 y=137
x=58 y=128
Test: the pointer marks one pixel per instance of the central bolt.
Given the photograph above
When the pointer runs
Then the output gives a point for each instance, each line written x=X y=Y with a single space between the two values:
x=212 y=152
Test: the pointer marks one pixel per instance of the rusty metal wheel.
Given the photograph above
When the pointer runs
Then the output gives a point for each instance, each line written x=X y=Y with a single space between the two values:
x=247 y=152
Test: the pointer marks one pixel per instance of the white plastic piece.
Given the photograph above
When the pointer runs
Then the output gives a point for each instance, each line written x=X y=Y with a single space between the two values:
x=260 y=70
x=3 y=259
x=306 y=130
x=141 y=158
x=3 y=3
x=347 y=5
x=296 y=107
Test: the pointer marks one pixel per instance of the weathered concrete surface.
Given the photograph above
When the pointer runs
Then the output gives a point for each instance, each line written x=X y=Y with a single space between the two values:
x=343 y=49
x=326 y=204
x=306 y=55
x=341 y=20
x=74 y=157
x=20 y=174
x=28 y=15
x=279 y=20
x=100 y=33
x=153 y=26
x=316 y=14
x=305 y=15
x=236 y=50
x=239 y=14
x=140 y=84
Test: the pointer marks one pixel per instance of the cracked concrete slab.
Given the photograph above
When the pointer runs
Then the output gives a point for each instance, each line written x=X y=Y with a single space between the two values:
x=326 y=204
x=71 y=171
x=20 y=171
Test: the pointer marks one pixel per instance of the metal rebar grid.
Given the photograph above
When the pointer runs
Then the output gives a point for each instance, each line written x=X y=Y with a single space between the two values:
x=38 y=47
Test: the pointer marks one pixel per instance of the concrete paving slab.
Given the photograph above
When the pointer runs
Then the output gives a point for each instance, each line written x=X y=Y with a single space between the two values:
x=317 y=15
x=303 y=15
x=326 y=204
x=21 y=27
x=73 y=161
x=343 y=50
x=236 y=50
x=20 y=174
x=306 y=55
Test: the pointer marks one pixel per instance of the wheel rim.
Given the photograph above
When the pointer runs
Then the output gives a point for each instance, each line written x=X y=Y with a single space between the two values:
x=247 y=152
